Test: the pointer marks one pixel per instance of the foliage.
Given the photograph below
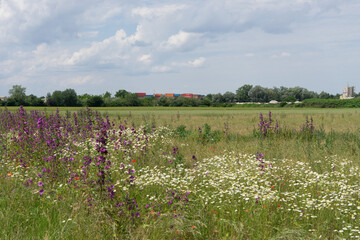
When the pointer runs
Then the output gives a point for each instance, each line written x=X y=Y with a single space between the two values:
x=17 y=94
x=331 y=103
x=245 y=94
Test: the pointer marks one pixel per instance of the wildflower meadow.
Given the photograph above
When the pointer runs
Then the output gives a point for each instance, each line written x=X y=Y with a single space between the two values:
x=245 y=174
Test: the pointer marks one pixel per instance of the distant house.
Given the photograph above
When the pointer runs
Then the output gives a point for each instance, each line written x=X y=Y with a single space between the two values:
x=348 y=93
x=273 y=102
x=2 y=98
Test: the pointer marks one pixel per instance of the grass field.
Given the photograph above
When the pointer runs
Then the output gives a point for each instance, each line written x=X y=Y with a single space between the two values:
x=180 y=173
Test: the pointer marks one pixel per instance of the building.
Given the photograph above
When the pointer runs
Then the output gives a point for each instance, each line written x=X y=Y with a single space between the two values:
x=348 y=93
x=2 y=98
x=141 y=95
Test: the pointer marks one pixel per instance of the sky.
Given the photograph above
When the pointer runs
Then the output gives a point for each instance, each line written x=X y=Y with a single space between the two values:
x=182 y=46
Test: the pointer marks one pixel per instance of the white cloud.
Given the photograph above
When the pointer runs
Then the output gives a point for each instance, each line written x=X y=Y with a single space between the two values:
x=197 y=62
x=184 y=41
x=76 y=81
x=41 y=37
x=152 y=12
x=146 y=58
x=112 y=48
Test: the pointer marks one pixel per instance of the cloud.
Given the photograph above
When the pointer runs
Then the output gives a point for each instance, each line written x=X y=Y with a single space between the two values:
x=72 y=38
x=146 y=58
x=156 y=12
x=106 y=51
x=183 y=41
x=77 y=81
x=197 y=62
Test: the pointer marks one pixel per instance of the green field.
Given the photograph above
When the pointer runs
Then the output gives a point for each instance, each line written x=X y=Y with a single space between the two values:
x=205 y=173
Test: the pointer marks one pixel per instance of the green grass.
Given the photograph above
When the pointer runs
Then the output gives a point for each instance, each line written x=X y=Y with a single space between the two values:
x=306 y=168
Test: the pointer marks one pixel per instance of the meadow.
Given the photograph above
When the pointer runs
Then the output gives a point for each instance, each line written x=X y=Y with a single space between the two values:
x=179 y=173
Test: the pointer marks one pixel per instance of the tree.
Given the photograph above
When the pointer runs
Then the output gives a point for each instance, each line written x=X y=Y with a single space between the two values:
x=149 y=101
x=70 y=98
x=107 y=95
x=229 y=97
x=218 y=98
x=324 y=95
x=18 y=94
x=258 y=94
x=95 y=101
x=290 y=99
x=33 y=100
x=163 y=101
x=57 y=99
x=242 y=94
x=121 y=93
x=132 y=99
x=205 y=102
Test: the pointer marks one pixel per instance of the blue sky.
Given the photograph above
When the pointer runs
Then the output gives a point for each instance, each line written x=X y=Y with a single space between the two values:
x=211 y=46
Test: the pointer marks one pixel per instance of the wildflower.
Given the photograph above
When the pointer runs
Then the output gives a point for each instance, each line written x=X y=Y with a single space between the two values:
x=76 y=178
x=41 y=191
x=134 y=161
x=193 y=227
x=9 y=174
x=40 y=184
x=272 y=186
x=278 y=205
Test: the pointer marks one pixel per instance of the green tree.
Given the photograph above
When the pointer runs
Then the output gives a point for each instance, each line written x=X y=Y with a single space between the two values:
x=122 y=93
x=324 y=95
x=57 y=99
x=218 y=98
x=95 y=101
x=70 y=98
x=242 y=94
x=229 y=97
x=107 y=95
x=132 y=99
x=33 y=100
x=17 y=93
x=290 y=99
x=259 y=94
x=163 y=101
x=148 y=102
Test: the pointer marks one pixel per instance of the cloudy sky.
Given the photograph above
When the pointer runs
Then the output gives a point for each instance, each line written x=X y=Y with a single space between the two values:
x=207 y=46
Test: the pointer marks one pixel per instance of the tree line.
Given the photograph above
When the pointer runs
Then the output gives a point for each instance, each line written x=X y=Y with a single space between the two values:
x=246 y=93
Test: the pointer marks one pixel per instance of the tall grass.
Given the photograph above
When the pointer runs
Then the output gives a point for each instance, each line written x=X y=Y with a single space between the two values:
x=179 y=175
